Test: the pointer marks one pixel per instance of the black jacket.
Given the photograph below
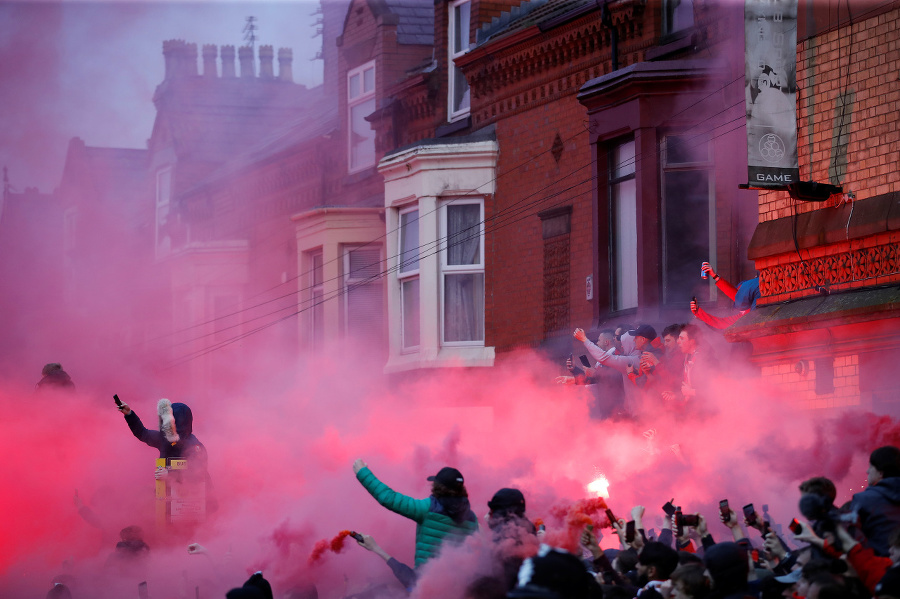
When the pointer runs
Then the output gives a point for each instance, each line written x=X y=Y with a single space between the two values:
x=188 y=446
x=879 y=512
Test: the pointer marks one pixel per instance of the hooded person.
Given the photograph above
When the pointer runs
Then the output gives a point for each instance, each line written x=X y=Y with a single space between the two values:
x=514 y=535
x=53 y=377
x=728 y=570
x=554 y=574
x=443 y=516
x=174 y=439
x=256 y=587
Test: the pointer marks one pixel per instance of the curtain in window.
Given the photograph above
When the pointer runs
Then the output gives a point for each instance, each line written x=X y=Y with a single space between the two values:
x=463 y=234
x=464 y=307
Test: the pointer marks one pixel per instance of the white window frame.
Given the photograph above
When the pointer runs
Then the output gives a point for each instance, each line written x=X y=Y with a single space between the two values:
x=617 y=286
x=360 y=98
x=454 y=114
x=314 y=303
x=460 y=268
x=409 y=275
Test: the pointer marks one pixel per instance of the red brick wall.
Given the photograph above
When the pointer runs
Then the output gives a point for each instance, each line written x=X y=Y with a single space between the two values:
x=530 y=180
x=871 y=48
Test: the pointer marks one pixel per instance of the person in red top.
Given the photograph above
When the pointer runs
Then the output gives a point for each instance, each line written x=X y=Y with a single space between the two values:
x=744 y=297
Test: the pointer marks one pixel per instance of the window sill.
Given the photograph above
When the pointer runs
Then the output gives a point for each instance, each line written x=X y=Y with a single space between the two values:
x=454 y=127
x=445 y=357
x=672 y=43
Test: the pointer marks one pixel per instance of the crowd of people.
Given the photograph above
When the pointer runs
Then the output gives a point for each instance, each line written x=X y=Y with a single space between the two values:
x=630 y=361
x=849 y=551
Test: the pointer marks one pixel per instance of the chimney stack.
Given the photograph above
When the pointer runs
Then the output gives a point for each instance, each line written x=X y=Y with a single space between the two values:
x=266 y=55
x=285 y=58
x=209 y=60
x=172 y=53
x=245 y=57
x=189 y=60
x=228 y=62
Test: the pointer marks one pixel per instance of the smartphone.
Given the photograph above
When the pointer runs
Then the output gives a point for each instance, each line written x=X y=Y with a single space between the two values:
x=142 y=591
x=585 y=360
x=755 y=554
x=690 y=520
x=669 y=508
x=117 y=400
x=750 y=514
x=357 y=536
x=612 y=518
x=629 y=531
x=725 y=511
x=795 y=527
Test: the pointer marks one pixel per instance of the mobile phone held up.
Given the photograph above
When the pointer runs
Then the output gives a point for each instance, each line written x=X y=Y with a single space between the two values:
x=750 y=515
x=117 y=400
x=795 y=527
x=629 y=531
x=724 y=511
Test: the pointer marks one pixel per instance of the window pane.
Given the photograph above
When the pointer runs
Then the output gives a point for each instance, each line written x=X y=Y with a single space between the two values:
x=409 y=241
x=625 y=244
x=318 y=319
x=686 y=149
x=679 y=15
x=362 y=137
x=464 y=307
x=686 y=235
x=368 y=80
x=623 y=160
x=364 y=263
x=409 y=317
x=460 y=91
x=463 y=234
x=353 y=89
x=461 y=28
x=365 y=310
x=317 y=269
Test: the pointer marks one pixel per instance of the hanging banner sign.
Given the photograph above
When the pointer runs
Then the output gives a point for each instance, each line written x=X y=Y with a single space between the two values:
x=770 y=83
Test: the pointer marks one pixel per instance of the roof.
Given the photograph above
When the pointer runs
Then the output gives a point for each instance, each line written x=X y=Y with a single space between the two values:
x=527 y=14
x=319 y=118
x=414 y=19
x=818 y=311
x=488 y=133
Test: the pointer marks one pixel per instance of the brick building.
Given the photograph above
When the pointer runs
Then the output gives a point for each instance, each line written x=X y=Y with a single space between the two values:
x=827 y=329
x=527 y=149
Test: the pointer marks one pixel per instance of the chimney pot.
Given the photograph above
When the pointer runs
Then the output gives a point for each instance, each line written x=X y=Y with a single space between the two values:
x=285 y=60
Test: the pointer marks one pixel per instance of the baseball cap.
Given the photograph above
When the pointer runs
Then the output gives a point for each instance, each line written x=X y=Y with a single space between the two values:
x=447 y=476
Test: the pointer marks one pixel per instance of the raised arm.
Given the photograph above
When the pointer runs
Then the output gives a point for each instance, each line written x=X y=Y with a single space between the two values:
x=414 y=509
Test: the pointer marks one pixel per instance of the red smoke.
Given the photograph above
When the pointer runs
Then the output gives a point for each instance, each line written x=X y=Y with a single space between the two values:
x=335 y=545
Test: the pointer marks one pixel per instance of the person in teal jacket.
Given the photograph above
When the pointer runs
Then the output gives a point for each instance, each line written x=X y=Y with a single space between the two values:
x=444 y=516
